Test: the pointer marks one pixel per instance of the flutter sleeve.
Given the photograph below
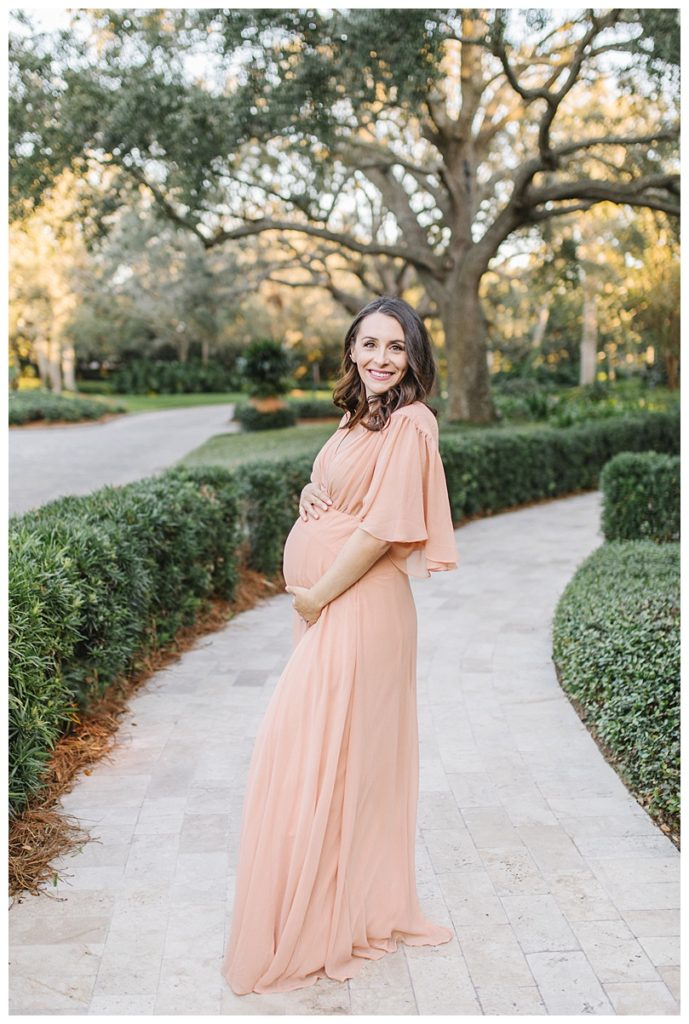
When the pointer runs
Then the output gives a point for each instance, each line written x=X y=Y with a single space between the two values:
x=407 y=501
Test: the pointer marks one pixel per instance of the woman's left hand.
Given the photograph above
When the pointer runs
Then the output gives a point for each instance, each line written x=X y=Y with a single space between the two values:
x=304 y=604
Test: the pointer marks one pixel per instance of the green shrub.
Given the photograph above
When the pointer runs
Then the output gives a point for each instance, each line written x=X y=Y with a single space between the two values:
x=641 y=497
x=254 y=419
x=98 y=581
x=616 y=642
x=494 y=469
x=524 y=398
x=95 y=387
x=119 y=571
x=114 y=588
x=314 y=408
x=37 y=404
x=45 y=614
x=265 y=365
x=161 y=377
x=267 y=513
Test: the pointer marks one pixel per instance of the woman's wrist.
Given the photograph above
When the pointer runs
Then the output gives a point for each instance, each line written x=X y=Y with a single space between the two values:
x=317 y=597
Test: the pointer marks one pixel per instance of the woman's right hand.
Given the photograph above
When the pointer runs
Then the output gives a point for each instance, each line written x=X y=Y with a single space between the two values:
x=313 y=496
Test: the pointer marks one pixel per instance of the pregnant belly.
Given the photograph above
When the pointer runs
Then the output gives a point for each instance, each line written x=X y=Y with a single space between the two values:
x=312 y=546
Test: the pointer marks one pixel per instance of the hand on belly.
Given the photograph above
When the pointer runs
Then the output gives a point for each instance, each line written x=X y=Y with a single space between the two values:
x=304 y=604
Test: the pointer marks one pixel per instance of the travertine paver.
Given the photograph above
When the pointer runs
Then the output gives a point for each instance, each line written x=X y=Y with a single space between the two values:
x=561 y=890
x=51 y=461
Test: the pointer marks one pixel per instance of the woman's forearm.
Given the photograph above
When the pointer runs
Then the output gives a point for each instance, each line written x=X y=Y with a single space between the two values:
x=355 y=557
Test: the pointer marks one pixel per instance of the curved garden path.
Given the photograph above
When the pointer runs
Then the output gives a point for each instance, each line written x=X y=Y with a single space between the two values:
x=563 y=893
x=49 y=462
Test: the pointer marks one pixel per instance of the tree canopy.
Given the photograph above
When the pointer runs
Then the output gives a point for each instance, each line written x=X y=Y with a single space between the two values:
x=411 y=146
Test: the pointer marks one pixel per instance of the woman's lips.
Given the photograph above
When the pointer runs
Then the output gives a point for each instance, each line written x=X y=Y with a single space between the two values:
x=380 y=376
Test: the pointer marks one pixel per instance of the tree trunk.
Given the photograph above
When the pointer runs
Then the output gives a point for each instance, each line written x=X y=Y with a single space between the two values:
x=671 y=370
x=540 y=326
x=468 y=381
x=588 y=360
x=205 y=351
x=40 y=351
x=47 y=352
x=54 y=369
x=68 y=365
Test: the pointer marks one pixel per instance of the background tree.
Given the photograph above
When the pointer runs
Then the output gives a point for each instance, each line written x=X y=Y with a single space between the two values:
x=449 y=118
x=47 y=251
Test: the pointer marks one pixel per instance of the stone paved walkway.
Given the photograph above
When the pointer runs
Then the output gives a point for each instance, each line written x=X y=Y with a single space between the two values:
x=48 y=462
x=562 y=892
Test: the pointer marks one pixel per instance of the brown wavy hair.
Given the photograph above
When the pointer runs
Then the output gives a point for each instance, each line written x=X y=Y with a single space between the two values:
x=350 y=393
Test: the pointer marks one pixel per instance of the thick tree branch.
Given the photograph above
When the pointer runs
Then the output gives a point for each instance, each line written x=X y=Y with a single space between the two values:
x=430 y=264
x=636 y=193
x=396 y=199
x=175 y=215
x=665 y=134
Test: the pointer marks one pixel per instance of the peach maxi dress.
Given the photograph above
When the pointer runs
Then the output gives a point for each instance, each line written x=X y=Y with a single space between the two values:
x=326 y=867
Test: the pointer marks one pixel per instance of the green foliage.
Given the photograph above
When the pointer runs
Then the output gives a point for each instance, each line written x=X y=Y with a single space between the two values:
x=267 y=512
x=95 y=387
x=114 y=587
x=493 y=469
x=659 y=42
x=530 y=398
x=156 y=376
x=30 y=406
x=264 y=366
x=45 y=613
x=314 y=408
x=641 y=497
x=616 y=642
x=252 y=418
x=98 y=581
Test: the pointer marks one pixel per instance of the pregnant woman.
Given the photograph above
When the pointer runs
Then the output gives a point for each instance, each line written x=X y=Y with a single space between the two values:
x=326 y=867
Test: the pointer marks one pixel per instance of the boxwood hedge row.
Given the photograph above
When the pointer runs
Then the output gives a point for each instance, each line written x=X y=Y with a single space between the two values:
x=97 y=581
x=494 y=469
x=38 y=404
x=616 y=642
x=641 y=497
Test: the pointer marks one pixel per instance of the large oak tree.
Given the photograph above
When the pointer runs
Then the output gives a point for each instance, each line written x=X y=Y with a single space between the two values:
x=240 y=122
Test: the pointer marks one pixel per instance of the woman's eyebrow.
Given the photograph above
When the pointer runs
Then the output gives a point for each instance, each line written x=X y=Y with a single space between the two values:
x=395 y=341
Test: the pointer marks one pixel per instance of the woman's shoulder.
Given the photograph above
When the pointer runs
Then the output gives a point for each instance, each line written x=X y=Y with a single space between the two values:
x=420 y=415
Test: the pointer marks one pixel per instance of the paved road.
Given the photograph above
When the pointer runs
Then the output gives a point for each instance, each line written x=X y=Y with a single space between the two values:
x=562 y=892
x=49 y=462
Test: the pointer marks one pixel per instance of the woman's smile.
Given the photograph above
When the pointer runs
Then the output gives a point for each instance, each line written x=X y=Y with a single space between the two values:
x=380 y=339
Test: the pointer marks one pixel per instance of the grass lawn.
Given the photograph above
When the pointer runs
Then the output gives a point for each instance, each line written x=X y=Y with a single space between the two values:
x=273 y=445
x=151 y=403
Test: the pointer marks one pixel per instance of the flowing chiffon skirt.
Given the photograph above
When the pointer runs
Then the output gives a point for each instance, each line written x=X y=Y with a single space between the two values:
x=326 y=868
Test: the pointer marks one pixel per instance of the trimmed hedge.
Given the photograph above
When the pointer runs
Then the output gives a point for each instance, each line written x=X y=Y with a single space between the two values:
x=163 y=377
x=616 y=642
x=97 y=581
x=641 y=497
x=315 y=408
x=494 y=469
x=254 y=419
x=29 y=406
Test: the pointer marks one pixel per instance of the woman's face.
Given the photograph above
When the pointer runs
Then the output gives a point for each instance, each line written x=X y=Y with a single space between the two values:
x=380 y=353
